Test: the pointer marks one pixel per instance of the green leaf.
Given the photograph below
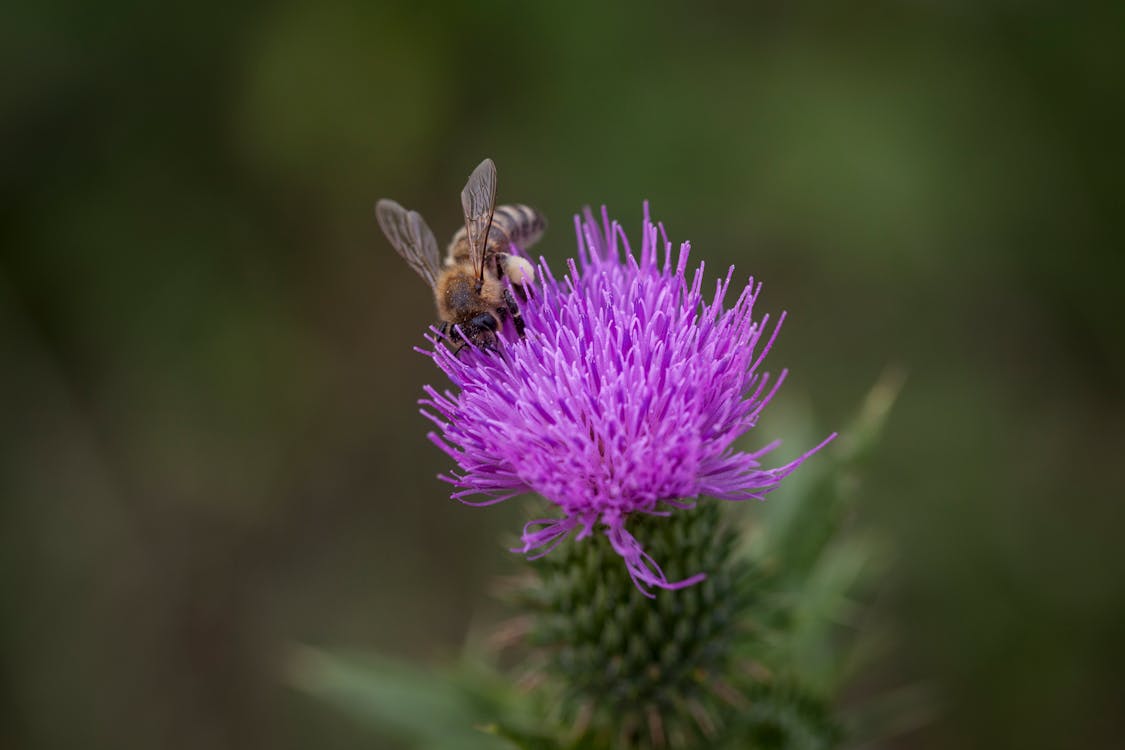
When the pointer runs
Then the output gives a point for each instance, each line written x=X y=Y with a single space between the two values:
x=824 y=605
x=802 y=524
x=430 y=709
x=521 y=738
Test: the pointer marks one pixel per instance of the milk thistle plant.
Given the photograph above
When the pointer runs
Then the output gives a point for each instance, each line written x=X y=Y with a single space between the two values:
x=649 y=615
x=624 y=400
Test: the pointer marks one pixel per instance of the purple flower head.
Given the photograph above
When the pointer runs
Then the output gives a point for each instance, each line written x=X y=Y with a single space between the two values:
x=626 y=396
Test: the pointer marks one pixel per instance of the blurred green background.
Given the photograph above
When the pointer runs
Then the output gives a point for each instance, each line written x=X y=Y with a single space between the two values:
x=212 y=448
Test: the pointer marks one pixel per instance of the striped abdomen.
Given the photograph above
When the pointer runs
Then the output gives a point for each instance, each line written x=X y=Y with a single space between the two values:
x=517 y=225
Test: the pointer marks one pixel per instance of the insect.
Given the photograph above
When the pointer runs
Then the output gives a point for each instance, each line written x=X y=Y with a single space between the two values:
x=473 y=302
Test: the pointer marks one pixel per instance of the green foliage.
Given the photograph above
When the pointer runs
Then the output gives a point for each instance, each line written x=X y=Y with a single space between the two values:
x=815 y=557
x=404 y=700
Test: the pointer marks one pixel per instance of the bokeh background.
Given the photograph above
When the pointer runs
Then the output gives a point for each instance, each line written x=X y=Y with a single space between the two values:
x=211 y=445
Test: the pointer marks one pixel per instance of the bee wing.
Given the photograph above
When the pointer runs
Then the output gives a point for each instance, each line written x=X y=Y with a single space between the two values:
x=478 y=200
x=410 y=237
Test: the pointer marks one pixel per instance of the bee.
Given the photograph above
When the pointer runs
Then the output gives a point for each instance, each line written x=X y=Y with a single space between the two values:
x=473 y=302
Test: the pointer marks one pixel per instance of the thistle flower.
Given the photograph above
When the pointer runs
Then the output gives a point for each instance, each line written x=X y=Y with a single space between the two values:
x=624 y=398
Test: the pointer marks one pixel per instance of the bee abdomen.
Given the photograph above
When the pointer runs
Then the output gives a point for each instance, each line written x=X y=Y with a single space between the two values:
x=517 y=225
x=522 y=225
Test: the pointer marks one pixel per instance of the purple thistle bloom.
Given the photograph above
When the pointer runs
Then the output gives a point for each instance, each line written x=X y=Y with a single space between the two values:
x=625 y=396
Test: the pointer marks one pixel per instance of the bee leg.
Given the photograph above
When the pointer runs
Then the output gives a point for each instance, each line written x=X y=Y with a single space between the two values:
x=501 y=271
x=457 y=345
x=447 y=332
x=507 y=311
x=501 y=260
x=513 y=309
x=452 y=339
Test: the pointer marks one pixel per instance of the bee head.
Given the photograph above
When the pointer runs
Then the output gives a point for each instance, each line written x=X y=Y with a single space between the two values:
x=481 y=331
